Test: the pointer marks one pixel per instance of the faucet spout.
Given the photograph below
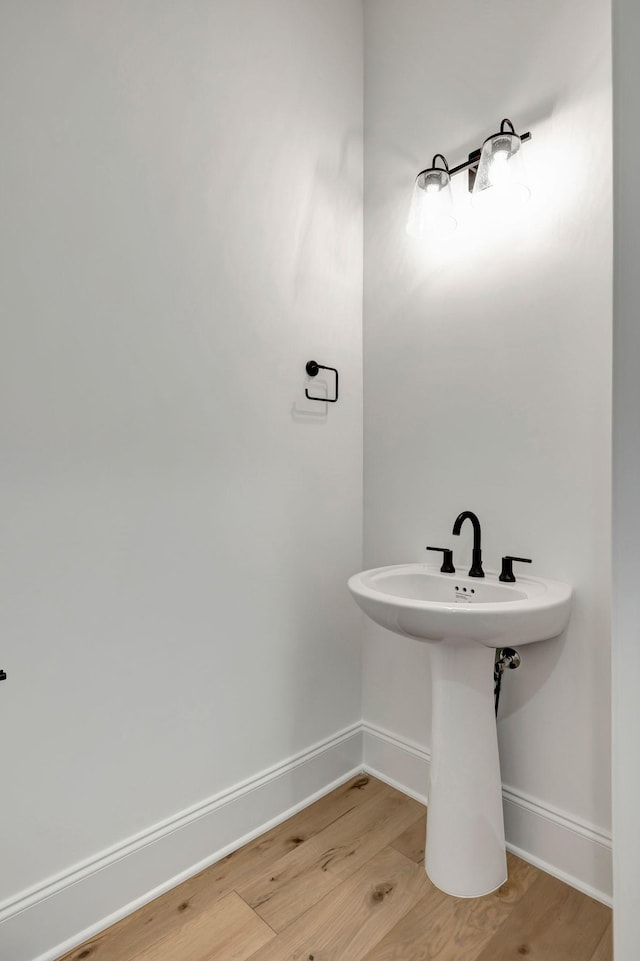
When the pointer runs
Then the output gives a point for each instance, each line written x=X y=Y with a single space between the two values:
x=476 y=561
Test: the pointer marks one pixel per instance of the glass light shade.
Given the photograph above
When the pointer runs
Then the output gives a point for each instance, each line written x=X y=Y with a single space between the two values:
x=501 y=176
x=431 y=210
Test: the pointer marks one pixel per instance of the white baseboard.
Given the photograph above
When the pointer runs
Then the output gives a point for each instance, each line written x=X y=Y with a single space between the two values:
x=400 y=763
x=564 y=846
x=576 y=852
x=68 y=909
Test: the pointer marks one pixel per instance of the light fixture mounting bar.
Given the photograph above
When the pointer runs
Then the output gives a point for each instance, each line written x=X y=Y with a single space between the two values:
x=474 y=157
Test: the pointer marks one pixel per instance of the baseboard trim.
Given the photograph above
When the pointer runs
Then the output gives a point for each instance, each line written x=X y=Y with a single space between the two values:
x=77 y=904
x=562 y=845
x=567 y=847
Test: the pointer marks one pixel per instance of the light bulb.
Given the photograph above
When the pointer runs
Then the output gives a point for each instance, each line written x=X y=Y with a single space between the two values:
x=431 y=210
x=498 y=173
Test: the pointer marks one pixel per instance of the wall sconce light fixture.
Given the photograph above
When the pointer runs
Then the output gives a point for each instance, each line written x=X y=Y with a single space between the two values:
x=495 y=173
x=432 y=203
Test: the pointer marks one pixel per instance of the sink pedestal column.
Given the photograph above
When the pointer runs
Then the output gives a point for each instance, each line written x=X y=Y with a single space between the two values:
x=465 y=851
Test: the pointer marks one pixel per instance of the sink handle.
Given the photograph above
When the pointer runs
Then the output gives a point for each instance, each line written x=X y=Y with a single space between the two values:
x=447 y=559
x=506 y=574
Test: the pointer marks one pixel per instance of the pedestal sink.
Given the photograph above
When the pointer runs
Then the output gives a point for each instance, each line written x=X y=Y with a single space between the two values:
x=463 y=620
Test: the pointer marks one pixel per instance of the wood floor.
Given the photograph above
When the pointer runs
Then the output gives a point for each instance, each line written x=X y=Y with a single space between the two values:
x=343 y=880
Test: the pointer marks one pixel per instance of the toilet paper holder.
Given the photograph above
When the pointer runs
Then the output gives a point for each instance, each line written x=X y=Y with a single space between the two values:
x=312 y=369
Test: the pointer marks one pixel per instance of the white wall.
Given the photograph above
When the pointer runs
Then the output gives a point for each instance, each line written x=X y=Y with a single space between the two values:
x=487 y=361
x=181 y=232
x=626 y=483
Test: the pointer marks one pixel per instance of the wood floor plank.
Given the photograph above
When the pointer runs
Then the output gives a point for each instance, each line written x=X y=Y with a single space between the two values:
x=520 y=877
x=126 y=939
x=604 y=951
x=359 y=835
x=289 y=888
x=346 y=923
x=443 y=928
x=299 y=879
x=411 y=842
x=230 y=931
x=554 y=922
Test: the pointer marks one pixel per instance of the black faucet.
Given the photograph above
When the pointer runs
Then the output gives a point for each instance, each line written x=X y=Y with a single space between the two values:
x=476 y=563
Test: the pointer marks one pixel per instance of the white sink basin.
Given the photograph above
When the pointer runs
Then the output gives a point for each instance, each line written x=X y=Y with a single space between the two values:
x=463 y=619
x=418 y=601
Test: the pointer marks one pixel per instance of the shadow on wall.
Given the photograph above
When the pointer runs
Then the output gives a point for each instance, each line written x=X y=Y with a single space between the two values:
x=304 y=415
x=334 y=198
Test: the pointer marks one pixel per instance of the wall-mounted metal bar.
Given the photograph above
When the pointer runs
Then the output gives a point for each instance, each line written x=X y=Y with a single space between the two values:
x=472 y=160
